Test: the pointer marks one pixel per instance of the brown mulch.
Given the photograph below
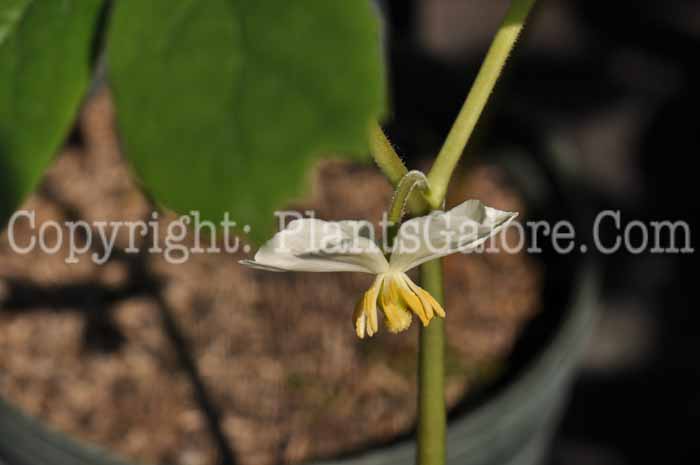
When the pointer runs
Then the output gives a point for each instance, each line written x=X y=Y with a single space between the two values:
x=95 y=352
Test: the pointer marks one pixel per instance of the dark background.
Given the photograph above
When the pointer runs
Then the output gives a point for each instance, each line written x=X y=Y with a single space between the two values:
x=607 y=91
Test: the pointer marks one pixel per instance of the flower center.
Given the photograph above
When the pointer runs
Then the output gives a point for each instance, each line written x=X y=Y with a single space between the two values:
x=398 y=297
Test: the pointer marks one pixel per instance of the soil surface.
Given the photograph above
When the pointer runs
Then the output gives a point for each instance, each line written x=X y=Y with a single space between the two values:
x=205 y=361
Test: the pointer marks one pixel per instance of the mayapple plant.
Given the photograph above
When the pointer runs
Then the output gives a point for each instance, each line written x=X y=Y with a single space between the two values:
x=462 y=228
x=223 y=105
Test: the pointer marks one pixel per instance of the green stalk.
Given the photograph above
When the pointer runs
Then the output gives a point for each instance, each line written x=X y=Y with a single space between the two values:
x=413 y=180
x=391 y=165
x=385 y=156
x=432 y=421
x=490 y=70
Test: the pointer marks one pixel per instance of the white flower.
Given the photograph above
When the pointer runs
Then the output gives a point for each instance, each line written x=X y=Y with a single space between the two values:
x=315 y=245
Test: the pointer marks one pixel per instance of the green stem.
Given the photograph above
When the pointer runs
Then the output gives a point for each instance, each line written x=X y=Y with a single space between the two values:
x=391 y=165
x=385 y=156
x=412 y=180
x=463 y=127
x=432 y=422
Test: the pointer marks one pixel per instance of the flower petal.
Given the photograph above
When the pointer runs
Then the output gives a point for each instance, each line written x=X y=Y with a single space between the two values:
x=443 y=233
x=310 y=244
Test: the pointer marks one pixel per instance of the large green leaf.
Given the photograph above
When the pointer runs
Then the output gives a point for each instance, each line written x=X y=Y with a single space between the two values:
x=224 y=104
x=44 y=71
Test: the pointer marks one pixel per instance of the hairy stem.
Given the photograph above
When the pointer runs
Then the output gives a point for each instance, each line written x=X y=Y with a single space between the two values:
x=384 y=155
x=391 y=165
x=432 y=418
x=409 y=183
x=484 y=83
x=413 y=181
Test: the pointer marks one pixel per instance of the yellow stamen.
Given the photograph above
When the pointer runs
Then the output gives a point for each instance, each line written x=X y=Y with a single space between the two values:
x=360 y=318
x=397 y=295
x=426 y=304
x=365 y=315
x=413 y=302
x=396 y=317
x=371 y=305
x=428 y=300
x=434 y=303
